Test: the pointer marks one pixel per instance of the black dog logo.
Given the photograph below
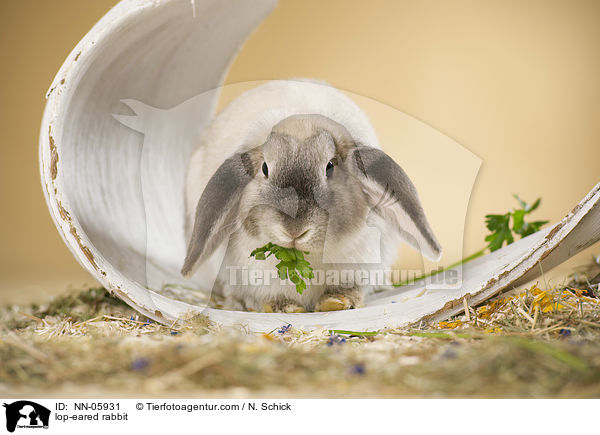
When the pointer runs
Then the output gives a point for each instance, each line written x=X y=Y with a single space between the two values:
x=26 y=414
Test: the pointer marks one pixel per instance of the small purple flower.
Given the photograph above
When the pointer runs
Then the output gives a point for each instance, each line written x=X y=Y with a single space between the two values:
x=174 y=332
x=358 y=369
x=139 y=364
x=564 y=332
x=449 y=353
x=335 y=339
x=284 y=329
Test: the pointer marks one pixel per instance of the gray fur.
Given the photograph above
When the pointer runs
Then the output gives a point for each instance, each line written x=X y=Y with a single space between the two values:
x=397 y=188
x=217 y=208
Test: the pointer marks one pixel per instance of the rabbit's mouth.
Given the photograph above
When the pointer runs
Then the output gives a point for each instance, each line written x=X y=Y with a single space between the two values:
x=300 y=241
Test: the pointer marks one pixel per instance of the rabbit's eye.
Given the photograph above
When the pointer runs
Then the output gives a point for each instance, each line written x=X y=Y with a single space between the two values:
x=329 y=168
x=265 y=169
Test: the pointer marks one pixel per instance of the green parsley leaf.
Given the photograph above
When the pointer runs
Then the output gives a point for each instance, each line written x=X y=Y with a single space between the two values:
x=499 y=224
x=292 y=264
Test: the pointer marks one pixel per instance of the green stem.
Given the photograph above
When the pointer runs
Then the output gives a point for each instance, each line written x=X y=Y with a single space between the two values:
x=435 y=272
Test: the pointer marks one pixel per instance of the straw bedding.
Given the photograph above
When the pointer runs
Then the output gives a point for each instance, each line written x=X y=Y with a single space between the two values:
x=534 y=342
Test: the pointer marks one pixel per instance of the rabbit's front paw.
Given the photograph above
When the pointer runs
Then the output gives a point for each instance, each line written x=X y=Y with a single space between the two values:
x=340 y=300
x=283 y=306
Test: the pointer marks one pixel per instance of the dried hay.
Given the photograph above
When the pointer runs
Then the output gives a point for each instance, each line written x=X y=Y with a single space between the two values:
x=534 y=343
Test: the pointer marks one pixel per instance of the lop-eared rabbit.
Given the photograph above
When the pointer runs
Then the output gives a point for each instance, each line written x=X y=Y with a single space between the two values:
x=298 y=164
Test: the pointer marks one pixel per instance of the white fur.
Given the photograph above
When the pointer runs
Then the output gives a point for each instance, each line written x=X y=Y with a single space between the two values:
x=359 y=251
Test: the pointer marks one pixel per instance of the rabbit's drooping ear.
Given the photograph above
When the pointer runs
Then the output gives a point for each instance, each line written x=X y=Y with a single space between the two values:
x=216 y=212
x=394 y=196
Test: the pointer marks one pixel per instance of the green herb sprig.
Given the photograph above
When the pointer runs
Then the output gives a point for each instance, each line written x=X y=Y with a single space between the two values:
x=292 y=264
x=499 y=224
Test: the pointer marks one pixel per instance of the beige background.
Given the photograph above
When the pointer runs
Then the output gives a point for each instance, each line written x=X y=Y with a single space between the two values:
x=517 y=83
